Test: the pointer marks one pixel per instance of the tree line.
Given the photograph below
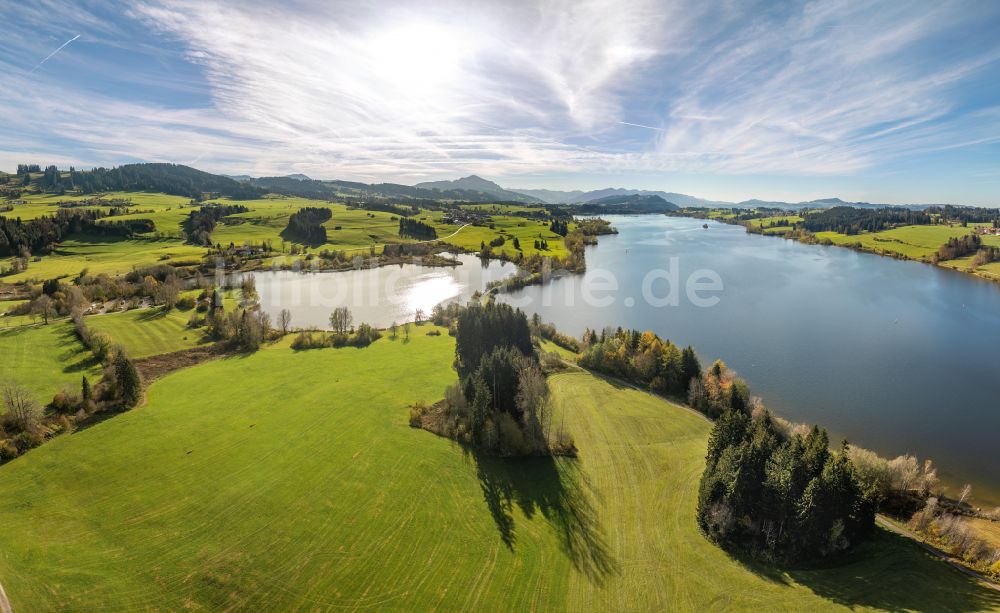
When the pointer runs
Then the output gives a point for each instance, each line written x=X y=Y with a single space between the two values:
x=201 y=222
x=173 y=179
x=642 y=358
x=780 y=498
x=306 y=226
x=38 y=235
x=849 y=220
x=768 y=490
x=961 y=246
x=413 y=228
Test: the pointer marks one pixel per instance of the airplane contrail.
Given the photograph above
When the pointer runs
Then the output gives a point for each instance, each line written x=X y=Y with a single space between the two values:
x=639 y=125
x=49 y=57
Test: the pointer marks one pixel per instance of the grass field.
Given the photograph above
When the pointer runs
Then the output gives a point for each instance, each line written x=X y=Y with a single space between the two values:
x=348 y=229
x=146 y=332
x=107 y=255
x=45 y=359
x=154 y=331
x=290 y=481
x=784 y=220
x=916 y=242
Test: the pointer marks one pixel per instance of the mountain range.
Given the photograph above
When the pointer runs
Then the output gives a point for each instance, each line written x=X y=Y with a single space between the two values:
x=477 y=189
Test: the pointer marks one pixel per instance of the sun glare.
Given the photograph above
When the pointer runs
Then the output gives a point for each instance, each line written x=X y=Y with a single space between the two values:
x=417 y=57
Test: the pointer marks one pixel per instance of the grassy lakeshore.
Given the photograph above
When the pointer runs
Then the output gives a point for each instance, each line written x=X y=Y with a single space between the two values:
x=913 y=242
x=290 y=480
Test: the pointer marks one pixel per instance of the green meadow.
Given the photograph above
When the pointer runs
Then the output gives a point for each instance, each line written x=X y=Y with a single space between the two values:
x=146 y=332
x=348 y=229
x=102 y=254
x=154 y=331
x=915 y=242
x=45 y=359
x=291 y=481
x=784 y=220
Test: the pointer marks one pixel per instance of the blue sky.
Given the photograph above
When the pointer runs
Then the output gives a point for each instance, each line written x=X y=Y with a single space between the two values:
x=877 y=101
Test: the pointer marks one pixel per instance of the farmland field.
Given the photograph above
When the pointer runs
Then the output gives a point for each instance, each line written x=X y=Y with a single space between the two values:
x=290 y=480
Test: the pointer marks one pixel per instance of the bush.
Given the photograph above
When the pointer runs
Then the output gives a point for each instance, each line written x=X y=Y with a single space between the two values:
x=64 y=402
x=8 y=451
x=416 y=413
x=309 y=339
x=27 y=440
x=185 y=303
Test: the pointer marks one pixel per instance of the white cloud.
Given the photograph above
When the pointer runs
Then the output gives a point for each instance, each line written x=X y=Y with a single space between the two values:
x=833 y=89
x=395 y=91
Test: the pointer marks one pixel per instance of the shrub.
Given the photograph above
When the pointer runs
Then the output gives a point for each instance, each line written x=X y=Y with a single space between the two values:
x=27 y=440
x=8 y=451
x=308 y=339
x=416 y=413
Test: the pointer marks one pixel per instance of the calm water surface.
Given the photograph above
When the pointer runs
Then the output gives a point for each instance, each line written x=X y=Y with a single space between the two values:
x=377 y=296
x=898 y=356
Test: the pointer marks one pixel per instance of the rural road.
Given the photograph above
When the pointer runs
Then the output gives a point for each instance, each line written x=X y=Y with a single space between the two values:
x=891 y=527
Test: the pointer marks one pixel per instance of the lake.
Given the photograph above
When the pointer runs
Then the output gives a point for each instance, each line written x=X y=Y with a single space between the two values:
x=377 y=296
x=897 y=356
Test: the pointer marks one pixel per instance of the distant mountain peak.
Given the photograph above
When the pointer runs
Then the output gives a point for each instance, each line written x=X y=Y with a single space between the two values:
x=475 y=183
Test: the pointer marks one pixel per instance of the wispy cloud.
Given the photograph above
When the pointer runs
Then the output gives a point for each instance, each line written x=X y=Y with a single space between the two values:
x=394 y=91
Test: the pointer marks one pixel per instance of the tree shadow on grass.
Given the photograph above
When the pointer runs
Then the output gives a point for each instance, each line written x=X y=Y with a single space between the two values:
x=888 y=572
x=75 y=357
x=560 y=492
x=152 y=313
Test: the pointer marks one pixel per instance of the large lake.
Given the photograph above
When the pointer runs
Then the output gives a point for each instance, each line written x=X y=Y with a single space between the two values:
x=898 y=356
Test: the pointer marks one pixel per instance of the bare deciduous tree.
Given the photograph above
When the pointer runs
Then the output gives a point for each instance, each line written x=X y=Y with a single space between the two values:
x=21 y=406
x=285 y=320
x=340 y=320
x=966 y=490
x=43 y=306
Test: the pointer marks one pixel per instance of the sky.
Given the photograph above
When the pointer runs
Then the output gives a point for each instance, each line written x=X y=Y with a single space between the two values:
x=891 y=102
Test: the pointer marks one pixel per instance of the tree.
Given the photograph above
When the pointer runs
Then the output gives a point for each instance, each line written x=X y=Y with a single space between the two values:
x=168 y=292
x=43 y=306
x=966 y=490
x=340 y=320
x=85 y=389
x=690 y=367
x=785 y=499
x=406 y=330
x=394 y=330
x=127 y=381
x=284 y=321
x=418 y=316
x=22 y=409
x=482 y=328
